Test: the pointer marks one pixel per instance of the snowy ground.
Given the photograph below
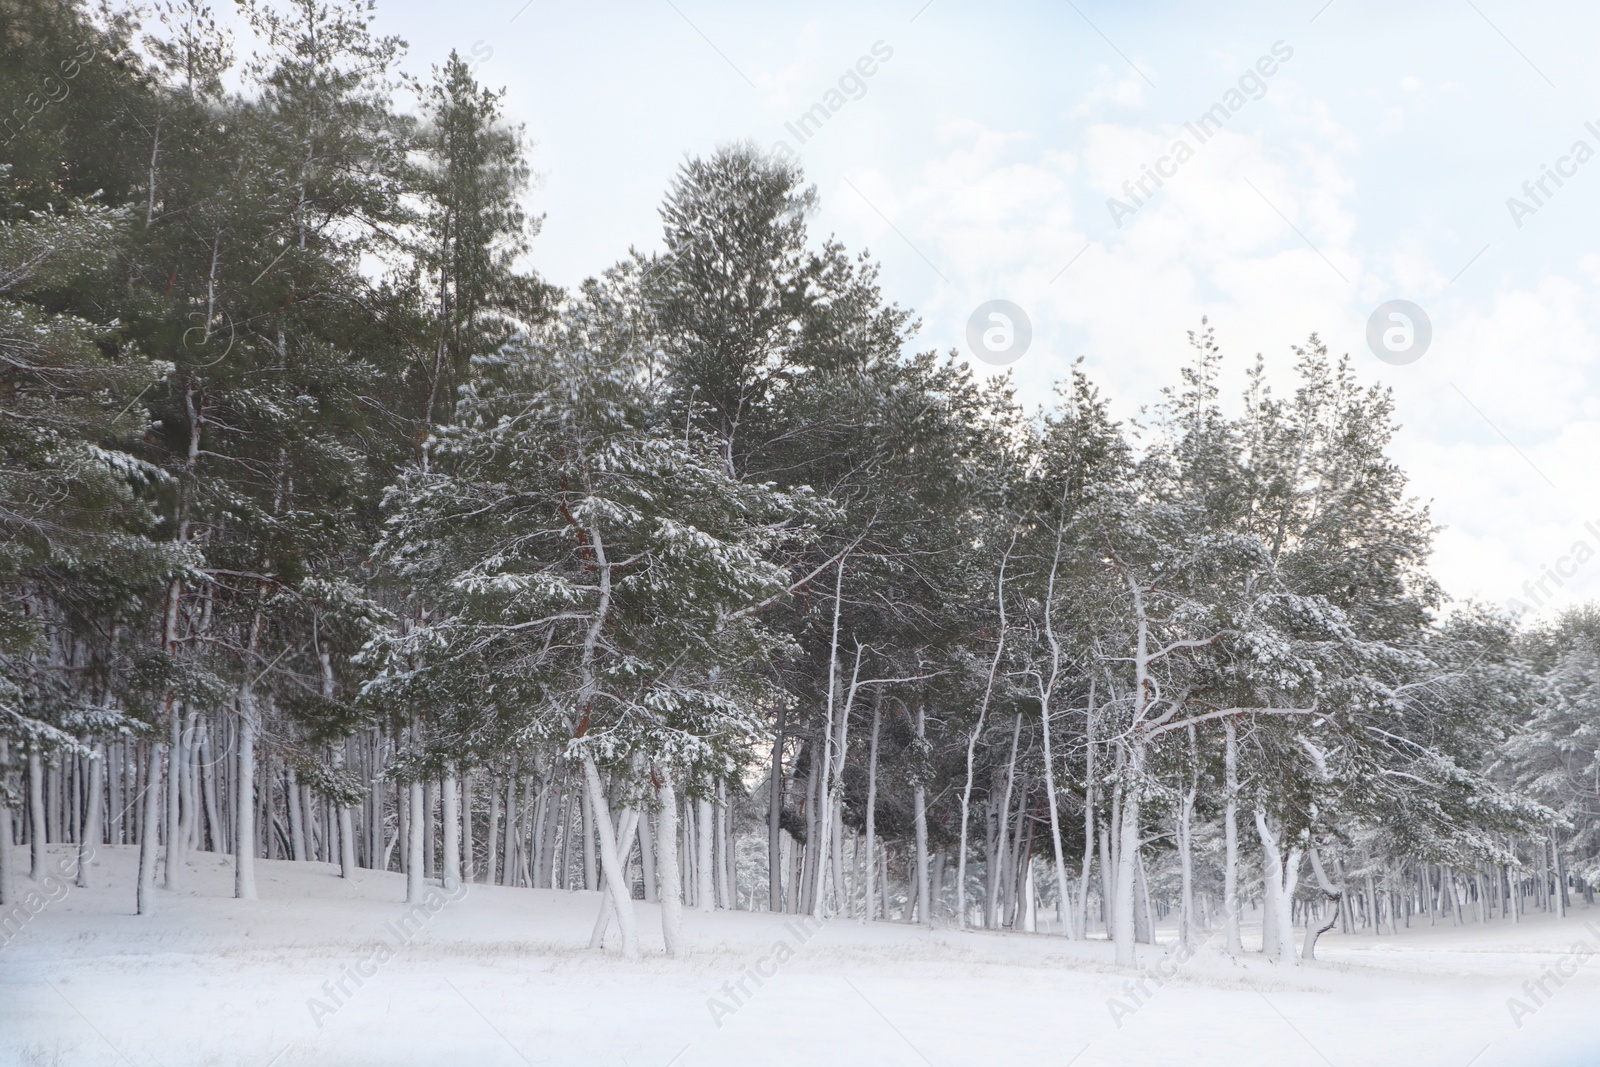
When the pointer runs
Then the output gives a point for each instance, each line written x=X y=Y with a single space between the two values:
x=505 y=977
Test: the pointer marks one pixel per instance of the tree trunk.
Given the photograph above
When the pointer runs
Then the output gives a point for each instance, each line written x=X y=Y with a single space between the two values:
x=1001 y=841
x=1334 y=893
x=89 y=839
x=589 y=872
x=491 y=839
x=1123 y=930
x=208 y=791
x=469 y=841
x=1063 y=903
x=508 y=836
x=416 y=827
x=297 y=817
x=244 y=805
x=1230 y=833
x=621 y=895
x=145 y=893
x=1281 y=877
x=869 y=904
x=919 y=801
x=647 y=859
x=36 y=822
x=704 y=884
x=176 y=760
x=775 y=791
x=1186 y=869
x=726 y=881
x=669 y=881
x=450 y=794
x=8 y=890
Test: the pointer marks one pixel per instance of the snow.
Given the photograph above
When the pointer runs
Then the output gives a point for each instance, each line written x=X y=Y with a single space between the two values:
x=504 y=976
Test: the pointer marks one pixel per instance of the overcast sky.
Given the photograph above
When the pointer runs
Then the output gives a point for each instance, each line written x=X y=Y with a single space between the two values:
x=1368 y=154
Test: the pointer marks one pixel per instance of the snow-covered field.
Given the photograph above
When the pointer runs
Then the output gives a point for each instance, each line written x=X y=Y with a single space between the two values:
x=505 y=977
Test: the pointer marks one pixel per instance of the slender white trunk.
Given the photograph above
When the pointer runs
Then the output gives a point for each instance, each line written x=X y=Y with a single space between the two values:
x=1123 y=930
x=174 y=791
x=1185 y=848
x=450 y=869
x=347 y=841
x=1063 y=903
x=669 y=881
x=297 y=818
x=869 y=909
x=1230 y=833
x=1186 y=865
x=145 y=894
x=469 y=851
x=36 y=823
x=89 y=837
x=972 y=743
x=919 y=801
x=1089 y=795
x=995 y=871
x=416 y=826
x=8 y=890
x=727 y=874
x=704 y=877
x=775 y=817
x=244 y=800
x=1558 y=869
x=818 y=841
x=647 y=859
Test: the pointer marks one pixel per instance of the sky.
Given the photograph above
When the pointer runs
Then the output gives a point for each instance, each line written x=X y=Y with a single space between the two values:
x=1363 y=153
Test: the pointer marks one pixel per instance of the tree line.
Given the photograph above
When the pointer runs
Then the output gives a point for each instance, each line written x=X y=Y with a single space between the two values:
x=330 y=532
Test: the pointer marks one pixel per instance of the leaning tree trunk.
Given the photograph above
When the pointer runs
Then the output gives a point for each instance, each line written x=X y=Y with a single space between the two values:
x=610 y=863
x=1334 y=893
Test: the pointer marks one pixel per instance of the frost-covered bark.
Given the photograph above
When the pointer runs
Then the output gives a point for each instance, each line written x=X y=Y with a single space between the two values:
x=149 y=832
x=450 y=869
x=417 y=818
x=669 y=880
x=616 y=877
x=92 y=831
x=244 y=799
x=1282 y=875
x=36 y=822
x=704 y=892
x=1230 y=831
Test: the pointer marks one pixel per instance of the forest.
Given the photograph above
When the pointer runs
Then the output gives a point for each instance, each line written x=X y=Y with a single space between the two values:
x=331 y=532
